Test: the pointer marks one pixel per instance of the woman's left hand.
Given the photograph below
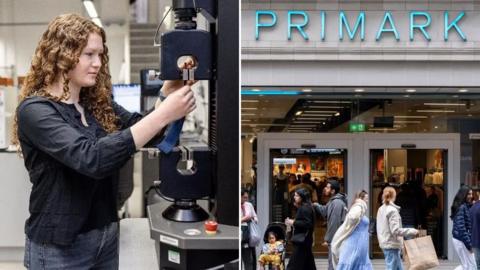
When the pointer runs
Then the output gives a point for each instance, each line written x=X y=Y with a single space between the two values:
x=170 y=86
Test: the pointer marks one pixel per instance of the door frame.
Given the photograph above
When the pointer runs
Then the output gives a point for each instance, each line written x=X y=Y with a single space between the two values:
x=358 y=148
x=449 y=142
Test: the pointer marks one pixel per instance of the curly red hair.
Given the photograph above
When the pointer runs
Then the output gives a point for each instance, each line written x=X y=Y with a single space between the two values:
x=57 y=53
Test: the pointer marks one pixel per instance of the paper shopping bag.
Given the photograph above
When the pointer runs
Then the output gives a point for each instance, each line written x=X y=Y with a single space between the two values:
x=419 y=254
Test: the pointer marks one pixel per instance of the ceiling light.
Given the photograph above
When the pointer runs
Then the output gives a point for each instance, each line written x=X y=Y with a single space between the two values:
x=337 y=114
x=256 y=90
x=90 y=7
x=315 y=115
x=410 y=90
x=436 y=111
x=411 y=116
x=359 y=90
x=436 y=127
x=246 y=109
x=462 y=90
x=97 y=21
x=298 y=113
x=444 y=104
x=306 y=90
x=315 y=111
x=455 y=96
x=470 y=115
x=250 y=100
x=246 y=120
x=248 y=114
x=252 y=139
x=323 y=123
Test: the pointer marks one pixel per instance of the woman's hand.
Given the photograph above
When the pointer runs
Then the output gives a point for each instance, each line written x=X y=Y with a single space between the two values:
x=178 y=104
x=289 y=222
x=170 y=86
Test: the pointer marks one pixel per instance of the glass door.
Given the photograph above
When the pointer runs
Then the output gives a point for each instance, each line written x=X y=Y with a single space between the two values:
x=419 y=176
x=310 y=169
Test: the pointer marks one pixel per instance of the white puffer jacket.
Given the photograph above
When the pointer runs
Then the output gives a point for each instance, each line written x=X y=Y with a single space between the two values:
x=389 y=227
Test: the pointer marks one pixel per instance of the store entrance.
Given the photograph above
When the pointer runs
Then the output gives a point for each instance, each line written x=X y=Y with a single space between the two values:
x=420 y=178
x=305 y=168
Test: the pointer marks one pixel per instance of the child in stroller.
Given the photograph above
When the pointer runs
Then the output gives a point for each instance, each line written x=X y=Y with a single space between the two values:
x=273 y=251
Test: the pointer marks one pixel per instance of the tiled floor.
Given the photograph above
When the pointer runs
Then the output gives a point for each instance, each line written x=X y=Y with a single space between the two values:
x=321 y=265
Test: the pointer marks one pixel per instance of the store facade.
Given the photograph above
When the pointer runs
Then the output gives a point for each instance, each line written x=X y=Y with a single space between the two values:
x=414 y=66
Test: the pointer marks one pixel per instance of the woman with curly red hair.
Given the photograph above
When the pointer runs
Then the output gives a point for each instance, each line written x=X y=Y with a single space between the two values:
x=74 y=140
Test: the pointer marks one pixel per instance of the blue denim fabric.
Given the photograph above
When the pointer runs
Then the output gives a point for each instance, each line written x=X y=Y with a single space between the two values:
x=476 y=251
x=96 y=249
x=392 y=259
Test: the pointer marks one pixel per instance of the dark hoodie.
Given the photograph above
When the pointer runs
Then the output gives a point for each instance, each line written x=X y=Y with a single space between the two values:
x=334 y=211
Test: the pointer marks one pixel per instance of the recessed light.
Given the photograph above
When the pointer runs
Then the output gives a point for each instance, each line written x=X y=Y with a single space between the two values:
x=306 y=90
x=359 y=90
x=323 y=123
x=337 y=114
x=249 y=109
x=436 y=111
x=444 y=104
x=436 y=127
x=462 y=90
x=410 y=90
x=298 y=113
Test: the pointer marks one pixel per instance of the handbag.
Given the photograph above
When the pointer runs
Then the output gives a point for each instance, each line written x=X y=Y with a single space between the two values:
x=372 y=226
x=299 y=238
x=254 y=231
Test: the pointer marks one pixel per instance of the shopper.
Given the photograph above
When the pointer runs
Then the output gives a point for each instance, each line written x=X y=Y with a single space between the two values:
x=334 y=211
x=389 y=230
x=350 y=242
x=74 y=140
x=303 y=229
x=475 y=218
x=462 y=228
x=248 y=215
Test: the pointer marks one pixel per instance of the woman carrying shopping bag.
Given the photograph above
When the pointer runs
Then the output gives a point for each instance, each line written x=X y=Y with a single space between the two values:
x=350 y=242
x=248 y=216
x=389 y=230
x=302 y=238
x=462 y=228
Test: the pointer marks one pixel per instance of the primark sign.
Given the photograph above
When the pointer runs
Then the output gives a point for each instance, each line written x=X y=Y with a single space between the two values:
x=412 y=26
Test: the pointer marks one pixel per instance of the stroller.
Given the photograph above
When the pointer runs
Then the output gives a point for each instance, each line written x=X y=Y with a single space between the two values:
x=280 y=231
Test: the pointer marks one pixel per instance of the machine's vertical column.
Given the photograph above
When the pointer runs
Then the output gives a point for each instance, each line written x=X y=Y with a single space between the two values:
x=227 y=111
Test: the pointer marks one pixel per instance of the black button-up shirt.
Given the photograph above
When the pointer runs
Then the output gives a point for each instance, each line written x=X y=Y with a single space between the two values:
x=73 y=168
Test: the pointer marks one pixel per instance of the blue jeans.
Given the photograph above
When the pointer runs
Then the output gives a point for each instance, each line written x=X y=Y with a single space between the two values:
x=96 y=249
x=392 y=259
x=476 y=251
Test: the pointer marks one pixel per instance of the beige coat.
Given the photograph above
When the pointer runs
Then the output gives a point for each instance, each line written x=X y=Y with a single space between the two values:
x=352 y=219
x=389 y=227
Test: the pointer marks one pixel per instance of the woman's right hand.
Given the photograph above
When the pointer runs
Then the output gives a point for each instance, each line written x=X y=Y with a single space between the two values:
x=178 y=104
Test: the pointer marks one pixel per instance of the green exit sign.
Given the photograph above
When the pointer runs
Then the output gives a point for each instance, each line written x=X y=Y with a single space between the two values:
x=357 y=127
